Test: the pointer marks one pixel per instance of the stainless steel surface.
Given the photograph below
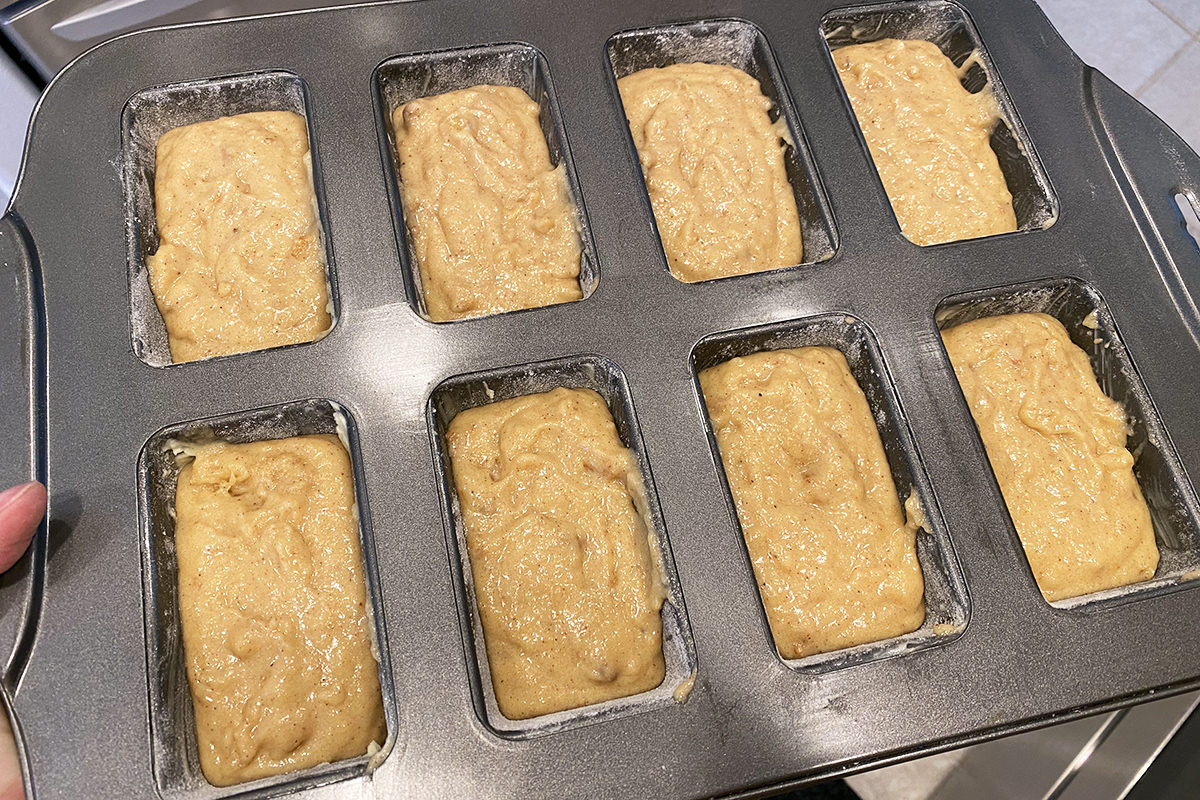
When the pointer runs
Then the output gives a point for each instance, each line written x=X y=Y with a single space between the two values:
x=1120 y=759
x=111 y=17
x=17 y=98
x=1024 y=767
x=52 y=32
x=1098 y=758
x=753 y=723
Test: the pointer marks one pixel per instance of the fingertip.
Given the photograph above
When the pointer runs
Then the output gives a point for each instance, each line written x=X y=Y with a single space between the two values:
x=37 y=495
x=32 y=492
x=21 y=510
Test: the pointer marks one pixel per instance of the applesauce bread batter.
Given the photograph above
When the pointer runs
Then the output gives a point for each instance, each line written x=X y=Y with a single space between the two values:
x=491 y=223
x=834 y=556
x=240 y=264
x=929 y=138
x=714 y=169
x=1056 y=443
x=567 y=586
x=272 y=605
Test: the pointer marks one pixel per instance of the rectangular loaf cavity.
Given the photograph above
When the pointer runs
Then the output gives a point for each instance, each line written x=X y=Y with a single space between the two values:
x=476 y=395
x=1169 y=495
x=946 y=603
x=173 y=722
x=947 y=26
x=741 y=45
x=153 y=112
x=405 y=78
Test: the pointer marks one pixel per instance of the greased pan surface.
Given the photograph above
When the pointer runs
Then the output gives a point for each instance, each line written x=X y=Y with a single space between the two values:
x=1092 y=162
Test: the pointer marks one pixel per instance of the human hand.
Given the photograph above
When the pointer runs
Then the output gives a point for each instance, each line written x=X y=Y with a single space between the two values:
x=21 y=509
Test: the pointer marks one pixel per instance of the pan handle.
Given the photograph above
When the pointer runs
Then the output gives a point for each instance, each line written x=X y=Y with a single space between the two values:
x=22 y=404
x=22 y=453
x=1152 y=165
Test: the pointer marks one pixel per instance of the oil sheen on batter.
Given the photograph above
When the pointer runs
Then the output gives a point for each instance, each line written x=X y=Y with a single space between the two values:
x=272 y=604
x=713 y=163
x=567 y=587
x=490 y=220
x=833 y=553
x=929 y=138
x=1056 y=443
x=240 y=265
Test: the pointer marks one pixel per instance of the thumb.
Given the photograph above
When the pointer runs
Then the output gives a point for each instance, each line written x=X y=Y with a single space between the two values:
x=21 y=509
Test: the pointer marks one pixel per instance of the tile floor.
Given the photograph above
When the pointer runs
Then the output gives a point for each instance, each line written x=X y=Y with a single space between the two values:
x=1151 y=48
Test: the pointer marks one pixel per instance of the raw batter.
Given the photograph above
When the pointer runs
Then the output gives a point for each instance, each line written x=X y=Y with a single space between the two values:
x=491 y=223
x=834 y=556
x=272 y=604
x=713 y=162
x=240 y=265
x=929 y=138
x=1057 y=447
x=567 y=587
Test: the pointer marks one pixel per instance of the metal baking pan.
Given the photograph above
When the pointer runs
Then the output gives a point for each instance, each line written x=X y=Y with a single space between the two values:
x=93 y=676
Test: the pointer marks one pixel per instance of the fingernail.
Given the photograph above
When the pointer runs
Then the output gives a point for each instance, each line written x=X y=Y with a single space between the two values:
x=13 y=493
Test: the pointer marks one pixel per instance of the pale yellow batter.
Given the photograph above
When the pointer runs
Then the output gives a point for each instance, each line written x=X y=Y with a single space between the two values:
x=567 y=587
x=714 y=169
x=1057 y=446
x=272 y=605
x=491 y=223
x=929 y=138
x=240 y=264
x=834 y=556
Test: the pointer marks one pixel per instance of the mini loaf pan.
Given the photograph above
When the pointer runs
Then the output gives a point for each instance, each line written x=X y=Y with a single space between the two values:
x=147 y=116
x=606 y=379
x=742 y=45
x=949 y=27
x=1162 y=477
x=947 y=606
x=176 y=760
x=410 y=77
x=94 y=629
